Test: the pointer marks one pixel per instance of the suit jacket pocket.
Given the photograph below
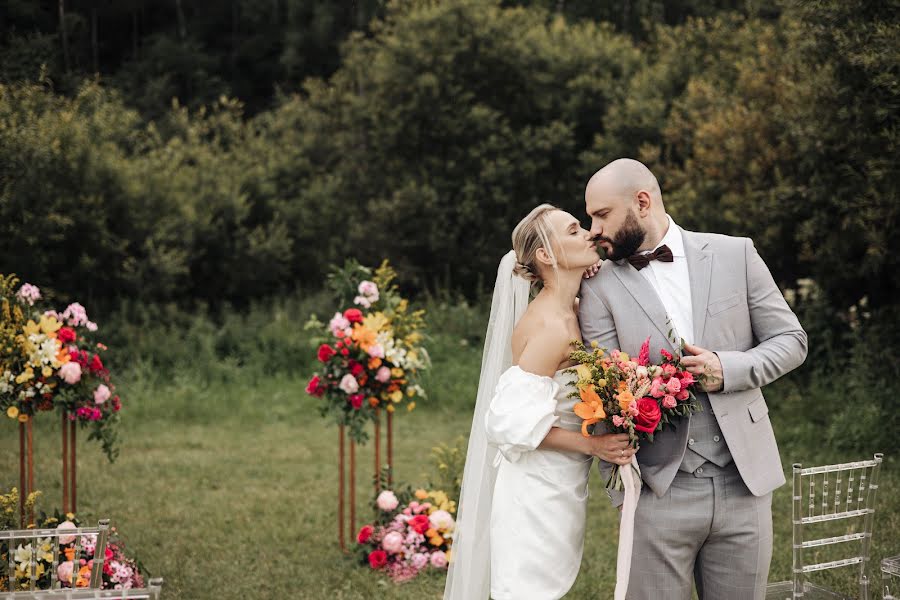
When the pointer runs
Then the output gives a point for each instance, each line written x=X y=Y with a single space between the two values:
x=758 y=409
x=717 y=306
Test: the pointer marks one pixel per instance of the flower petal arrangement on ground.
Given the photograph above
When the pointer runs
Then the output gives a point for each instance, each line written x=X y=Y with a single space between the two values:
x=412 y=531
x=49 y=359
x=630 y=396
x=371 y=357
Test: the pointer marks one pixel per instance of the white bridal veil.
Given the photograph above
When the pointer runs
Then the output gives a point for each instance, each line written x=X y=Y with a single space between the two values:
x=469 y=577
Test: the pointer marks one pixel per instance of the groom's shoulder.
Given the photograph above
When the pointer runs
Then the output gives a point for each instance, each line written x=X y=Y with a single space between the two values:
x=596 y=283
x=719 y=241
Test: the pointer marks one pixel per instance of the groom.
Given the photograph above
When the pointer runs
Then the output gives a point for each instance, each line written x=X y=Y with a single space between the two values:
x=705 y=510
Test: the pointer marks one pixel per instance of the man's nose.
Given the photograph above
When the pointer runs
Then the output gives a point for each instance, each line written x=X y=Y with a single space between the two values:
x=596 y=229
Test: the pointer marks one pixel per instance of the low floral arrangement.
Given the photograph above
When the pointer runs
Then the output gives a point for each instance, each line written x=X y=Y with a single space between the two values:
x=630 y=396
x=412 y=531
x=49 y=359
x=371 y=354
x=75 y=556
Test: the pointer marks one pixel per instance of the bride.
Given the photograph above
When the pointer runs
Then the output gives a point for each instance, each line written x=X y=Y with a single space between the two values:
x=521 y=520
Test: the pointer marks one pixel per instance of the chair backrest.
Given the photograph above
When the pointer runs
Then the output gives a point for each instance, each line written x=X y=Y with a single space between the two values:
x=834 y=493
x=34 y=556
x=151 y=592
x=890 y=572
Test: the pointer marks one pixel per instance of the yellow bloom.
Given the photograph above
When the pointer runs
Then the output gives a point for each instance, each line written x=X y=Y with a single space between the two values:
x=396 y=372
x=23 y=418
x=364 y=336
x=46 y=371
x=396 y=396
x=624 y=357
x=421 y=494
x=410 y=406
x=390 y=408
x=376 y=322
x=595 y=344
x=584 y=374
x=25 y=375
x=625 y=399
x=412 y=356
x=12 y=412
x=414 y=338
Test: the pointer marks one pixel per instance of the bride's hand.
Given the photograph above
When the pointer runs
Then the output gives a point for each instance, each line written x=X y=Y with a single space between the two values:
x=593 y=269
x=613 y=448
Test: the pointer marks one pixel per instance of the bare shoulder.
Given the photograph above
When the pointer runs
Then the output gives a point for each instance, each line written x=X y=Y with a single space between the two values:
x=541 y=343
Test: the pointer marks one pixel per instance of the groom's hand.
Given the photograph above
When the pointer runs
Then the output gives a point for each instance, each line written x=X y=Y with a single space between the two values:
x=593 y=269
x=706 y=366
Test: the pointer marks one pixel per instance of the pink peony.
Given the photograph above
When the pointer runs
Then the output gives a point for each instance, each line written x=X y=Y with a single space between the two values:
x=368 y=289
x=101 y=394
x=438 y=560
x=387 y=501
x=70 y=372
x=669 y=401
x=392 y=542
x=66 y=526
x=64 y=572
x=362 y=301
x=348 y=384
x=419 y=560
x=339 y=325
x=75 y=315
x=383 y=374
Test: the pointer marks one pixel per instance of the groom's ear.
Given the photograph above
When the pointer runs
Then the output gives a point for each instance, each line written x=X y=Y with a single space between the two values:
x=645 y=202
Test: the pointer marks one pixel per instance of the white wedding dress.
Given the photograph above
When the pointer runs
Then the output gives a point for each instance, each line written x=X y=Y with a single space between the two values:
x=539 y=505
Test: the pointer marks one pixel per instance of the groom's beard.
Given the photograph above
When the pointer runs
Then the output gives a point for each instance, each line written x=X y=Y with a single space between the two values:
x=627 y=240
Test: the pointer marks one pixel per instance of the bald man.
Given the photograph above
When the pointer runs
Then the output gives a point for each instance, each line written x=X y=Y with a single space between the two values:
x=704 y=516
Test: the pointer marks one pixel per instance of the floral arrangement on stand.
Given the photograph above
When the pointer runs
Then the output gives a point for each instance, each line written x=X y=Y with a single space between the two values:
x=50 y=359
x=371 y=353
x=119 y=570
x=412 y=531
x=630 y=396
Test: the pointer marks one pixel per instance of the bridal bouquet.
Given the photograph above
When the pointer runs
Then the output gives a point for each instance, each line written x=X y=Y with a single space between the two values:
x=410 y=533
x=630 y=396
x=48 y=360
x=372 y=354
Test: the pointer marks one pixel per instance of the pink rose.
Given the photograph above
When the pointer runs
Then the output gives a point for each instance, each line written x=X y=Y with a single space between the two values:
x=64 y=572
x=392 y=542
x=687 y=378
x=441 y=519
x=656 y=388
x=682 y=395
x=669 y=370
x=362 y=301
x=669 y=401
x=666 y=354
x=29 y=293
x=353 y=315
x=101 y=394
x=66 y=526
x=438 y=559
x=338 y=324
x=618 y=420
x=70 y=372
x=673 y=386
x=383 y=374
x=419 y=560
x=387 y=501
x=348 y=384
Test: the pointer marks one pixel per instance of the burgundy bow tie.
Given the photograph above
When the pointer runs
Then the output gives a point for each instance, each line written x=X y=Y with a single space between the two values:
x=663 y=253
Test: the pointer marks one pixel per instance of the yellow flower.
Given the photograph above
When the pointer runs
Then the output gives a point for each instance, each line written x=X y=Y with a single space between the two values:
x=390 y=408
x=595 y=344
x=625 y=399
x=12 y=412
x=410 y=406
x=396 y=372
x=421 y=494
x=412 y=356
x=624 y=357
x=584 y=374
x=396 y=396
x=46 y=371
x=364 y=336
x=411 y=392
x=376 y=322
x=25 y=375
x=414 y=338
x=23 y=418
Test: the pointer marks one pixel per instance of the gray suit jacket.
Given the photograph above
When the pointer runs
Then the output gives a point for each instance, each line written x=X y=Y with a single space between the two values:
x=740 y=314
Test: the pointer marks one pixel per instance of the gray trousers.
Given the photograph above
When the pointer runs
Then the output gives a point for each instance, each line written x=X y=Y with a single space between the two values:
x=707 y=526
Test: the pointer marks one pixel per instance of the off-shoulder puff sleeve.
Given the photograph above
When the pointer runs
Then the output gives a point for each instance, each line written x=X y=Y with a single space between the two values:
x=521 y=413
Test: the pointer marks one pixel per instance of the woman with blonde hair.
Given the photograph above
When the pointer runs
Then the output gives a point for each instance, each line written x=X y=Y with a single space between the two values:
x=522 y=511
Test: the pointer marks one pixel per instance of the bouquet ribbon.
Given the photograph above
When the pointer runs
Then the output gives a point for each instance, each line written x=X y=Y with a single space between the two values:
x=631 y=478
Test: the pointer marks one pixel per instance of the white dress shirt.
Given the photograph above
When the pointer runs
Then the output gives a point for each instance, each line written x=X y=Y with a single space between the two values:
x=672 y=283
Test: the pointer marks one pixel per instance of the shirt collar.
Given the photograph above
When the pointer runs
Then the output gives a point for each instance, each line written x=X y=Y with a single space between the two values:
x=673 y=239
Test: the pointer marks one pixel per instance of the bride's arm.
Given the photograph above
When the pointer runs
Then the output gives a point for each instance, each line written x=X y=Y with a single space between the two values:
x=542 y=355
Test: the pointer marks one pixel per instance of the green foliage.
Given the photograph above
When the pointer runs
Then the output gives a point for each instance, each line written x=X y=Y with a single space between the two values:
x=448 y=463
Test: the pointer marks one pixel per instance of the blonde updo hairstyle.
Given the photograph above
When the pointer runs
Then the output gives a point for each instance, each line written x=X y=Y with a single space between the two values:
x=532 y=233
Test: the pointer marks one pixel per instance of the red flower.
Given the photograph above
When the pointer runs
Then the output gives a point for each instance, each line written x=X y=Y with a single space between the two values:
x=649 y=415
x=116 y=404
x=356 y=369
x=96 y=365
x=344 y=352
x=354 y=315
x=356 y=400
x=66 y=335
x=314 y=387
x=687 y=378
x=419 y=523
x=666 y=354
x=644 y=355
x=79 y=356
x=377 y=559
x=325 y=353
x=364 y=534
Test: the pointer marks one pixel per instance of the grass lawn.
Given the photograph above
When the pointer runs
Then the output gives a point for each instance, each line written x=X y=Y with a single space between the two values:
x=227 y=482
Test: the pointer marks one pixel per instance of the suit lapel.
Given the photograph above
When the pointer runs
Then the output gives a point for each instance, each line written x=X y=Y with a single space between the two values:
x=699 y=262
x=645 y=296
